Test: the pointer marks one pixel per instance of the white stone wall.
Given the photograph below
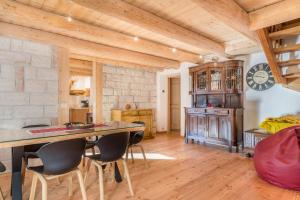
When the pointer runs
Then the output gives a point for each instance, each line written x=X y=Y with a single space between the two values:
x=28 y=86
x=134 y=86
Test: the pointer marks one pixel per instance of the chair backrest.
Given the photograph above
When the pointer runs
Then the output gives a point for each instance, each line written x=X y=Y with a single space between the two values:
x=136 y=136
x=61 y=157
x=34 y=147
x=2 y=167
x=113 y=146
x=35 y=126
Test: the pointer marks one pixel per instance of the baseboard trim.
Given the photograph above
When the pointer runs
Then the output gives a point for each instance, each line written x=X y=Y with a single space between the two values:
x=159 y=132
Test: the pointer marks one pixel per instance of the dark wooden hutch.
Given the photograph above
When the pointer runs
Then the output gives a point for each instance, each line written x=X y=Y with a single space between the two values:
x=216 y=116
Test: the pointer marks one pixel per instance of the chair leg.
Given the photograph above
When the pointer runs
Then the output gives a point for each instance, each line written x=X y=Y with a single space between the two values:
x=143 y=152
x=127 y=151
x=127 y=177
x=81 y=183
x=87 y=169
x=44 y=186
x=101 y=182
x=33 y=187
x=23 y=171
x=70 y=192
x=132 y=155
x=83 y=161
x=1 y=195
x=111 y=167
x=58 y=180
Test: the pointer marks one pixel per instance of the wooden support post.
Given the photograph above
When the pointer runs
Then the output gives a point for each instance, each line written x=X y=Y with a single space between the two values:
x=97 y=91
x=62 y=62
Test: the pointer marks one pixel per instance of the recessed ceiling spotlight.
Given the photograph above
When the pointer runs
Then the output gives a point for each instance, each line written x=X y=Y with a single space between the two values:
x=69 y=19
x=174 y=50
x=136 y=38
x=201 y=57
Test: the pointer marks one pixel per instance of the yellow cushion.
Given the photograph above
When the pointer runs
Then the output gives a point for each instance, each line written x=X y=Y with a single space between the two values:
x=273 y=125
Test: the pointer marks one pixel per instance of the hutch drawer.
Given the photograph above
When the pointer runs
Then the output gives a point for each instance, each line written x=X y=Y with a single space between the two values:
x=217 y=111
x=196 y=110
x=129 y=113
x=145 y=112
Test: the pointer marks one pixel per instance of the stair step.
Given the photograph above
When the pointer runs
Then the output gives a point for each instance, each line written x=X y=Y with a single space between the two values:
x=285 y=33
x=289 y=48
x=293 y=75
x=289 y=63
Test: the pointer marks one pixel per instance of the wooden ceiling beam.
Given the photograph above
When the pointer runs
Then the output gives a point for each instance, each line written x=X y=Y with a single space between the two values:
x=16 y=13
x=108 y=61
x=277 y=13
x=148 y=21
x=231 y=14
x=81 y=72
x=80 y=64
x=83 y=47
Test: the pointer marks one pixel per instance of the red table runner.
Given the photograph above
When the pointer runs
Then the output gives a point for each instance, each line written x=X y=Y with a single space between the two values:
x=51 y=130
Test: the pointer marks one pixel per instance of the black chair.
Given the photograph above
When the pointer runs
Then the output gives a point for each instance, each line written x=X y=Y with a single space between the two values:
x=2 y=169
x=112 y=148
x=59 y=159
x=31 y=148
x=135 y=138
x=90 y=144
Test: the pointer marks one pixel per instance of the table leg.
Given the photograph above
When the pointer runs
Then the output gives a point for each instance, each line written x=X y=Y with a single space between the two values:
x=16 y=178
x=118 y=177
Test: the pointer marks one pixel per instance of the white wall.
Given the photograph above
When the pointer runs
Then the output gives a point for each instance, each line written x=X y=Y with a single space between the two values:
x=162 y=97
x=273 y=102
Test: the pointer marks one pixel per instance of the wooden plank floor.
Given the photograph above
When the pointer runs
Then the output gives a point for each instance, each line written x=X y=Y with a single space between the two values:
x=176 y=171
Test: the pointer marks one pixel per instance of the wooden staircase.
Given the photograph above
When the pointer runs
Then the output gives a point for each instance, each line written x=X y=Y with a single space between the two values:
x=280 y=45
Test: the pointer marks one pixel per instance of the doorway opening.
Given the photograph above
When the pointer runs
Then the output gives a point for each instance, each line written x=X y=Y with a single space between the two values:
x=174 y=105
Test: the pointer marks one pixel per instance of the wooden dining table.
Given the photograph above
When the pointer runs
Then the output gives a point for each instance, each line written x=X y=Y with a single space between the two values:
x=17 y=139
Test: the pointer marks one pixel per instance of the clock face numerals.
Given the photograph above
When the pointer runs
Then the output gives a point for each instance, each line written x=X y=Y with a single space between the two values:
x=260 y=77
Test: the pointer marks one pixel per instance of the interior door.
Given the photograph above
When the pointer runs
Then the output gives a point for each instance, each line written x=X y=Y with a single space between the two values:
x=174 y=104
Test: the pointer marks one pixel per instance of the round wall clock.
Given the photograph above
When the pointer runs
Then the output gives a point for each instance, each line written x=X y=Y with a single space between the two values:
x=260 y=77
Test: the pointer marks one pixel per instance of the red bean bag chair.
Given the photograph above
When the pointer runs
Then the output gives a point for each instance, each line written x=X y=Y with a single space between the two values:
x=277 y=158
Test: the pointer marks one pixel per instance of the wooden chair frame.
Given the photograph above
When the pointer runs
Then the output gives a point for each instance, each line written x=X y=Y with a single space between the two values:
x=98 y=165
x=44 y=178
x=131 y=147
x=1 y=194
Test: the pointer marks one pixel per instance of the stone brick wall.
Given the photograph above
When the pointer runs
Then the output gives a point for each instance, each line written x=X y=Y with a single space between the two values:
x=28 y=85
x=134 y=86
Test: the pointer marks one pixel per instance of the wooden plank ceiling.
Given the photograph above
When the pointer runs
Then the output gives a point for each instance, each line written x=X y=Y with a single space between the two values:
x=253 y=5
x=172 y=30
